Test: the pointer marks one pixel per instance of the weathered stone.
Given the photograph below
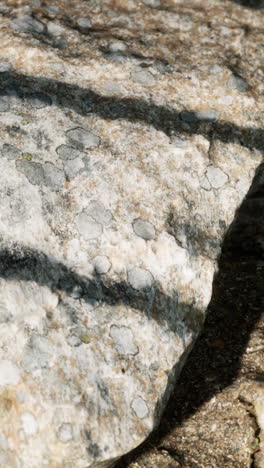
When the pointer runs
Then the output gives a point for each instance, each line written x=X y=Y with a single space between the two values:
x=216 y=177
x=140 y=278
x=88 y=227
x=101 y=264
x=84 y=24
x=151 y=3
x=209 y=115
x=75 y=167
x=144 y=229
x=98 y=212
x=143 y=77
x=117 y=47
x=28 y=24
x=236 y=82
x=66 y=152
x=41 y=174
x=81 y=138
x=10 y=152
x=55 y=29
x=125 y=152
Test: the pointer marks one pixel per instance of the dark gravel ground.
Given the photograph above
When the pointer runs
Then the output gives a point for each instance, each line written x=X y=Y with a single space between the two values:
x=210 y=420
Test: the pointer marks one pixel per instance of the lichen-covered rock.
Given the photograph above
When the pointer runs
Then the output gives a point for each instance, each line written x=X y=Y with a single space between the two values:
x=126 y=145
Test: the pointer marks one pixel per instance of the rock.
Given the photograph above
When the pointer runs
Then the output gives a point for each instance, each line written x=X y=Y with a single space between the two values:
x=101 y=264
x=88 y=227
x=140 y=279
x=144 y=229
x=216 y=177
x=98 y=212
x=66 y=152
x=75 y=167
x=28 y=24
x=52 y=9
x=41 y=174
x=82 y=139
x=55 y=29
x=116 y=47
x=10 y=152
x=209 y=115
x=143 y=77
x=236 y=82
x=84 y=24
x=151 y=3
x=114 y=204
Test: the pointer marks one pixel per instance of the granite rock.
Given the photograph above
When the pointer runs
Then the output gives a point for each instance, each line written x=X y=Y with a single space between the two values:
x=125 y=152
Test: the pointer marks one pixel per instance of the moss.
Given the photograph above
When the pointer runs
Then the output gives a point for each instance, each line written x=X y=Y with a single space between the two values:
x=26 y=156
x=85 y=338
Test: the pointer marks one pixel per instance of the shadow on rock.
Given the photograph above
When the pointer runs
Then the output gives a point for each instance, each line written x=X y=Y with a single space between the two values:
x=163 y=118
x=256 y=4
x=233 y=313
x=22 y=263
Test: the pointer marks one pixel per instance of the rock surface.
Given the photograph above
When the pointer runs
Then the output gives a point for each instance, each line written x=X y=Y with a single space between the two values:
x=122 y=168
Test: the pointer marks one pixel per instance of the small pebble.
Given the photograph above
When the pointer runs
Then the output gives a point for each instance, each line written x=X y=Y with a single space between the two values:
x=236 y=82
x=84 y=24
x=139 y=407
x=101 y=264
x=144 y=229
x=66 y=152
x=116 y=47
x=209 y=115
x=139 y=278
x=10 y=151
x=28 y=24
x=77 y=166
x=151 y=3
x=88 y=227
x=53 y=176
x=143 y=77
x=81 y=138
x=52 y=9
x=216 y=177
x=35 y=3
x=98 y=212
x=55 y=29
x=216 y=69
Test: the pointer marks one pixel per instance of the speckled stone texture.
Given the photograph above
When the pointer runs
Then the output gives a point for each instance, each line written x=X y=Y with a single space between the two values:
x=127 y=142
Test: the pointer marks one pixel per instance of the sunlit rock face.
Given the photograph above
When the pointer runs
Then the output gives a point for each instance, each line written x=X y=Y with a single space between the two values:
x=128 y=138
